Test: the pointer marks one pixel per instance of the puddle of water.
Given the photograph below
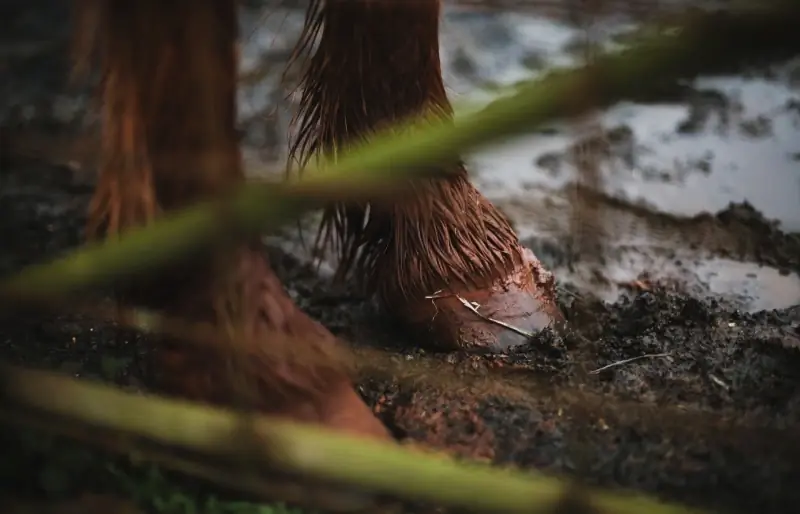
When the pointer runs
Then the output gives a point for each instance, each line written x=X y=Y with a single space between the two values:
x=683 y=174
x=745 y=149
x=738 y=141
x=745 y=285
x=762 y=288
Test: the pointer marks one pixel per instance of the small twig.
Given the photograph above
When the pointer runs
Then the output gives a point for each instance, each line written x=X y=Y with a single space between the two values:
x=627 y=361
x=435 y=296
x=719 y=382
x=474 y=308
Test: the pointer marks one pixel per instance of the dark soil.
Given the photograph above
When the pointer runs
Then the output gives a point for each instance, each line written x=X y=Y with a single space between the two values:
x=706 y=415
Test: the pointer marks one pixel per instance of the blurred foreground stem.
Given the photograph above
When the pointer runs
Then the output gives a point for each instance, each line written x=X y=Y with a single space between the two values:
x=707 y=42
x=266 y=443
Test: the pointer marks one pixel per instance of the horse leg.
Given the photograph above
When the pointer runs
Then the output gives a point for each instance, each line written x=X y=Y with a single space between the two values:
x=424 y=255
x=168 y=112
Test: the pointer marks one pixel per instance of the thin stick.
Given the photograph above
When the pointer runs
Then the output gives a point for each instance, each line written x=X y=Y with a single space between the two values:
x=474 y=308
x=627 y=361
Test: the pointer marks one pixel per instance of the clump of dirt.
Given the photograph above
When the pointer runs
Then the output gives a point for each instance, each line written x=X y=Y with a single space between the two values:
x=662 y=392
x=687 y=398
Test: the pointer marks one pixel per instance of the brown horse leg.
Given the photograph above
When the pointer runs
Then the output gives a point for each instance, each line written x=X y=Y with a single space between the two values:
x=377 y=62
x=169 y=139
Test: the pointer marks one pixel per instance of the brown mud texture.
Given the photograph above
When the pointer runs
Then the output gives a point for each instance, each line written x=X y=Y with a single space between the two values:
x=706 y=414
x=661 y=392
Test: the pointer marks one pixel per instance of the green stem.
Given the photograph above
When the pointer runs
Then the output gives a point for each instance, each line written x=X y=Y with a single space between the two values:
x=305 y=450
x=706 y=43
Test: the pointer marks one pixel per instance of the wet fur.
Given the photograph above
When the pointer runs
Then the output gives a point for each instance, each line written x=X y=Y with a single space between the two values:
x=168 y=95
x=374 y=63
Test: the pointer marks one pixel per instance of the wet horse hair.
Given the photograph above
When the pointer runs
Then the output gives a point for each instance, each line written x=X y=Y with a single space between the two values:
x=374 y=64
x=167 y=96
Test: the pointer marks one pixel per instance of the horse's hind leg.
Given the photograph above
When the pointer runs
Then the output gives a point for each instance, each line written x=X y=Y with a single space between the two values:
x=432 y=254
x=169 y=139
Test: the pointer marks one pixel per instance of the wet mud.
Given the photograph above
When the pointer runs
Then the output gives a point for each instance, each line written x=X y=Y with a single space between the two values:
x=689 y=398
x=666 y=384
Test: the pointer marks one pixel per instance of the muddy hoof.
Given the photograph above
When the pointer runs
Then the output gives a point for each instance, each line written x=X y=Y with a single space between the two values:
x=345 y=411
x=189 y=374
x=289 y=365
x=492 y=319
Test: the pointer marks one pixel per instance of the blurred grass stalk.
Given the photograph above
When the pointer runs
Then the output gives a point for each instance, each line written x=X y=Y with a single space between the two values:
x=704 y=42
x=269 y=444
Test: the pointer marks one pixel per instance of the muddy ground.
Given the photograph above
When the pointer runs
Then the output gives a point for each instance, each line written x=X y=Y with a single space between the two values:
x=706 y=413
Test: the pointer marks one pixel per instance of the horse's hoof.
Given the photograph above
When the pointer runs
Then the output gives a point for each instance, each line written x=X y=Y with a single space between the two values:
x=343 y=410
x=492 y=319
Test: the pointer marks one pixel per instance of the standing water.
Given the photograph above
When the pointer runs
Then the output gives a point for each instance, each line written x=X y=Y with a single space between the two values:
x=659 y=166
